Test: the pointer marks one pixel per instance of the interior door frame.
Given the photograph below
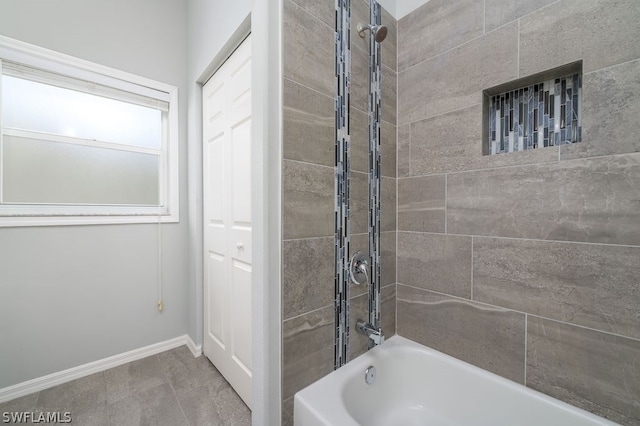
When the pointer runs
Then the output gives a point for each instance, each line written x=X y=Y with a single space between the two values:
x=264 y=23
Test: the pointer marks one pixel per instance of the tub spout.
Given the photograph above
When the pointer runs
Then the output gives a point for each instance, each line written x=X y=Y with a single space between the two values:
x=375 y=335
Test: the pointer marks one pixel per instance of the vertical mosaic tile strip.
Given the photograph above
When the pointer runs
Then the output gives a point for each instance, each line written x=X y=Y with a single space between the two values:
x=342 y=173
x=374 y=169
x=537 y=116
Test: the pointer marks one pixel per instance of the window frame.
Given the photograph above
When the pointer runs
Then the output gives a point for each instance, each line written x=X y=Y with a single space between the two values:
x=13 y=215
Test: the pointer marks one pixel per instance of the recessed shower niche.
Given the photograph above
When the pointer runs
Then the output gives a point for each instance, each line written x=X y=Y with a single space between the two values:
x=538 y=111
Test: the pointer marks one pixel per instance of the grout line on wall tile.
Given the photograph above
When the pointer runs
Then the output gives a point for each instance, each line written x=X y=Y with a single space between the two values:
x=311 y=164
x=526 y=318
x=308 y=312
x=518 y=55
x=519 y=238
x=309 y=88
x=484 y=17
x=446 y=199
x=429 y=117
x=471 y=268
x=311 y=14
x=502 y=308
x=313 y=238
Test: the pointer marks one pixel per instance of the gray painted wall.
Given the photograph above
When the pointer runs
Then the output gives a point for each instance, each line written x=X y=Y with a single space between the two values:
x=75 y=294
x=525 y=264
x=210 y=25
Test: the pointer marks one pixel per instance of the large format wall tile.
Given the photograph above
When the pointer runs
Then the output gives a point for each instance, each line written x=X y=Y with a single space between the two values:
x=359 y=146
x=308 y=49
x=488 y=337
x=388 y=148
x=308 y=120
x=610 y=111
x=360 y=79
x=595 y=371
x=388 y=204
x=585 y=284
x=359 y=202
x=453 y=142
x=500 y=12
x=438 y=26
x=389 y=95
x=308 y=275
x=435 y=262
x=592 y=200
x=457 y=78
x=307 y=349
x=325 y=10
x=387 y=258
x=421 y=203
x=404 y=150
x=601 y=33
x=308 y=200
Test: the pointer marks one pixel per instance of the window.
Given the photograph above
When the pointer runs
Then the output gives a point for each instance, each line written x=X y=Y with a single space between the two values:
x=82 y=143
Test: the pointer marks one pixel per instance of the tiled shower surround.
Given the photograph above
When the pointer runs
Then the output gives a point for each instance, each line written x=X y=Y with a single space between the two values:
x=308 y=197
x=526 y=264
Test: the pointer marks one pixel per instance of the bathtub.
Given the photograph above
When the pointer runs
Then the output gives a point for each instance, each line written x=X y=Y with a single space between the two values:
x=416 y=385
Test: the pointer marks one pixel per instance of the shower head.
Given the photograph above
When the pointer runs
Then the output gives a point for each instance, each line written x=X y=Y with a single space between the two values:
x=379 y=32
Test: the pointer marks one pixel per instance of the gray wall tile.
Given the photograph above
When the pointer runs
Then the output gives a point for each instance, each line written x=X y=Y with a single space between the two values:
x=575 y=365
x=456 y=78
x=388 y=204
x=359 y=202
x=452 y=142
x=307 y=349
x=307 y=43
x=387 y=258
x=404 y=150
x=360 y=80
x=324 y=10
x=388 y=310
x=421 y=203
x=437 y=26
x=287 y=412
x=359 y=146
x=610 y=111
x=585 y=284
x=308 y=200
x=592 y=200
x=308 y=121
x=389 y=94
x=500 y=12
x=488 y=337
x=388 y=148
x=308 y=274
x=358 y=310
x=435 y=262
x=389 y=47
x=601 y=33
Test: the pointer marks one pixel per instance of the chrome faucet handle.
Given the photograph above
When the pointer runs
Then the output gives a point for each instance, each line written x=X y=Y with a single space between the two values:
x=358 y=268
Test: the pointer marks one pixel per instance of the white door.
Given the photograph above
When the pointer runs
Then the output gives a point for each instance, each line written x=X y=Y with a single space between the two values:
x=226 y=99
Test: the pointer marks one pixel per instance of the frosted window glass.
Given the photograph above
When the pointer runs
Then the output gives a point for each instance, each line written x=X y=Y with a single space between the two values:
x=29 y=105
x=38 y=171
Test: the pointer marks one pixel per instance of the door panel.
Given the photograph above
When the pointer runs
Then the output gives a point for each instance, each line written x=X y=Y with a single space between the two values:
x=227 y=219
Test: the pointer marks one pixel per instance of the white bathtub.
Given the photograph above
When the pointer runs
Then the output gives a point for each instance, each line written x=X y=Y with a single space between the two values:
x=416 y=385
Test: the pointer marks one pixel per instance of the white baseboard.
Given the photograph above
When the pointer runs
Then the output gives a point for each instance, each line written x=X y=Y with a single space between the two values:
x=54 y=379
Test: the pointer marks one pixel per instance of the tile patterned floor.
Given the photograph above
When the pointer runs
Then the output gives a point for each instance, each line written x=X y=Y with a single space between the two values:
x=172 y=388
